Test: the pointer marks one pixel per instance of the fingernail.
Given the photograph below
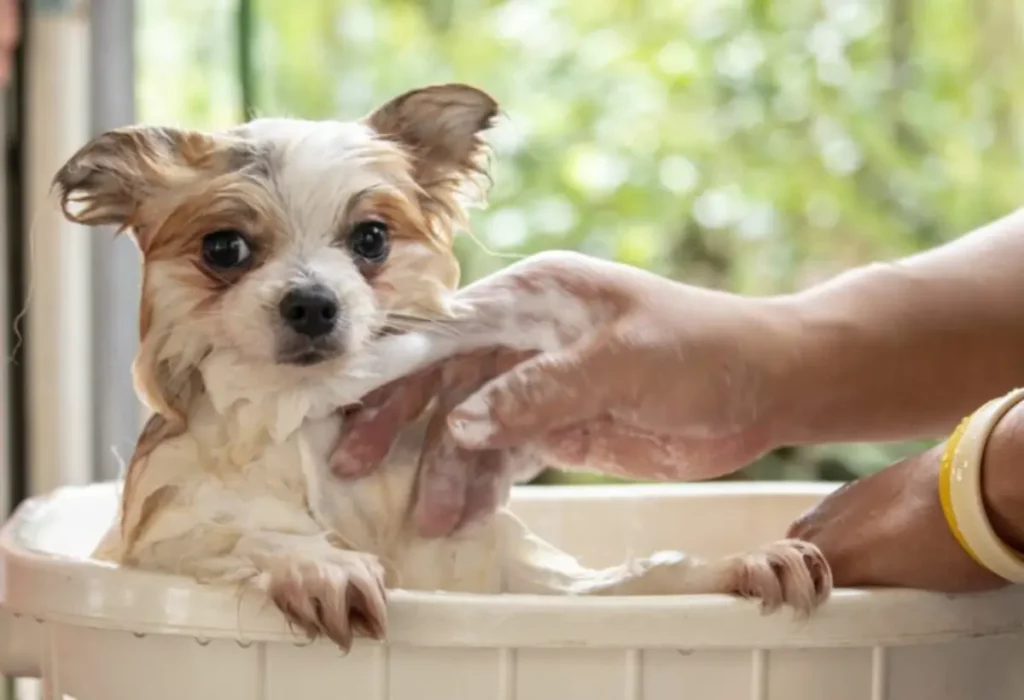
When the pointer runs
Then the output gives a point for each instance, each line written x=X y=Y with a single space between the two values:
x=439 y=505
x=435 y=521
x=431 y=527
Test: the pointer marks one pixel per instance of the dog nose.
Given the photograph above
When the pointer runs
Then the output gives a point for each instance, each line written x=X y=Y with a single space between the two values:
x=311 y=311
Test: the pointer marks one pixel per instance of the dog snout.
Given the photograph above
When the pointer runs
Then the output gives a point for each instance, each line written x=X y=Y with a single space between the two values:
x=311 y=311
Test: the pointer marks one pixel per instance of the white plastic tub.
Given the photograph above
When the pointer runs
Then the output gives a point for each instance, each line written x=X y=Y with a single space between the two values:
x=96 y=633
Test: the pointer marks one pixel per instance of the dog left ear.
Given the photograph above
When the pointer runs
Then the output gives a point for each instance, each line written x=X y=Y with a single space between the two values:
x=440 y=126
x=109 y=180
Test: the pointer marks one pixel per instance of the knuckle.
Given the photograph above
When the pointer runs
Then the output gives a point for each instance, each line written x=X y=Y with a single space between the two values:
x=803 y=527
x=555 y=260
x=545 y=266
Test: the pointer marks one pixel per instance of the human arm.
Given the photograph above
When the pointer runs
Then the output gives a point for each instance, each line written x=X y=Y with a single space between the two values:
x=888 y=351
x=904 y=349
x=686 y=383
x=605 y=341
x=888 y=529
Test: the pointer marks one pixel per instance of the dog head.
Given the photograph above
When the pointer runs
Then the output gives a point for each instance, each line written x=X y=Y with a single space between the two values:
x=287 y=243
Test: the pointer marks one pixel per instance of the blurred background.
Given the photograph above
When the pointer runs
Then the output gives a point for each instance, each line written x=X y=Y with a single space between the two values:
x=753 y=145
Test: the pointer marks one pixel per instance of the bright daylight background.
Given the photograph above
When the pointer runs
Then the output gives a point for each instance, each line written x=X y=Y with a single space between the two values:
x=754 y=145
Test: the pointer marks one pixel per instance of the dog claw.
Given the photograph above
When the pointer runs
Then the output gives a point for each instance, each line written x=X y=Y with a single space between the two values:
x=333 y=598
x=366 y=609
x=787 y=572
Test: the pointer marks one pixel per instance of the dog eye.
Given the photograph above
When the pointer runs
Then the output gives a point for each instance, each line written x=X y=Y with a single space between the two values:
x=369 y=240
x=226 y=249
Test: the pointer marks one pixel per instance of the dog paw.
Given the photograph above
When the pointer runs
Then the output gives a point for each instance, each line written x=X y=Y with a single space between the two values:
x=787 y=572
x=336 y=598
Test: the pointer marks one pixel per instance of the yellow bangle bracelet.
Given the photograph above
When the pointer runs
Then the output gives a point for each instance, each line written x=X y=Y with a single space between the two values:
x=960 y=490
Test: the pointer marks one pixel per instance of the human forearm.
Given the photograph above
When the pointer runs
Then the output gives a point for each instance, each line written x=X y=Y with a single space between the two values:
x=902 y=350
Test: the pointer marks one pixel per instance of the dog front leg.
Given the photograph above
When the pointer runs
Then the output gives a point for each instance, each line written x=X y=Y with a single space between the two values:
x=788 y=572
x=322 y=588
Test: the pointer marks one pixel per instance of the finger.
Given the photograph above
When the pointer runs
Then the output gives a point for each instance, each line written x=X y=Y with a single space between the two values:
x=489 y=484
x=544 y=393
x=451 y=478
x=370 y=431
x=444 y=470
x=443 y=479
x=544 y=302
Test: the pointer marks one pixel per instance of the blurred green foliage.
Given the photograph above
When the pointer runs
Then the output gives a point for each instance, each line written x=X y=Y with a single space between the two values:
x=753 y=145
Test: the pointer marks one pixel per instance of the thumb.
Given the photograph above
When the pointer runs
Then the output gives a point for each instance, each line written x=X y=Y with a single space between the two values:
x=544 y=393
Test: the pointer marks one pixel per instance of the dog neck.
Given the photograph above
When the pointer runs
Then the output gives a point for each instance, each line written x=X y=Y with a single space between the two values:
x=275 y=399
x=278 y=398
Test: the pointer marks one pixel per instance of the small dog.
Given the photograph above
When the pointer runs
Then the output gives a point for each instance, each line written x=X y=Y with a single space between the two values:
x=280 y=257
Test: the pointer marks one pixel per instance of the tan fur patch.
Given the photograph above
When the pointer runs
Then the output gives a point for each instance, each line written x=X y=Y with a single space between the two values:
x=163 y=393
x=157 y=429
x=441 y=127
x=225 y=202
x=421 y=266
x=153 y=503
x=107 y=181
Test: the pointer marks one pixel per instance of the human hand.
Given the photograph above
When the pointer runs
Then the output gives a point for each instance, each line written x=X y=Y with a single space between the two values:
x=589 y=364
x=888 y=529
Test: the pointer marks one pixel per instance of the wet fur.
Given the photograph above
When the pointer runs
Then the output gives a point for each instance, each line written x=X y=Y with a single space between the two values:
x=229 y=482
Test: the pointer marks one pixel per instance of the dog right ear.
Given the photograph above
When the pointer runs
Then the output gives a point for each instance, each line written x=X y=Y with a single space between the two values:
x=108 y=180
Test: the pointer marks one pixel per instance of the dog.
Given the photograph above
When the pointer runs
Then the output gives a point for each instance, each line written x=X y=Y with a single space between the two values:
x=282 y=259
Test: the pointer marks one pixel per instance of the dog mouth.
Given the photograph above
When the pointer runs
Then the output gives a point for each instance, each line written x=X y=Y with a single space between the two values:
x=306 y=358
x=307 y=354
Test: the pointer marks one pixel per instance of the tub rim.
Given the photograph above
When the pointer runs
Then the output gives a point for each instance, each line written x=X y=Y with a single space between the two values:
x=66 y=591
